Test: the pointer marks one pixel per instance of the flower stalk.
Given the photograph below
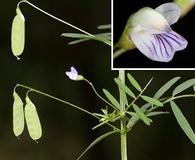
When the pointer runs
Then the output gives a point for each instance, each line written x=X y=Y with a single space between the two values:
x=54 y=17
x=65 y=102
x=186 y=6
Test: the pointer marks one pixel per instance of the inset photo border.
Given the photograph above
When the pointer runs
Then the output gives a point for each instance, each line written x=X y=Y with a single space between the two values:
x=146 y=37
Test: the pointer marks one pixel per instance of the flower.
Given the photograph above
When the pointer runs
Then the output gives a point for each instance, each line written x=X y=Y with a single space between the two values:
x=73 y=74
x=151 y=33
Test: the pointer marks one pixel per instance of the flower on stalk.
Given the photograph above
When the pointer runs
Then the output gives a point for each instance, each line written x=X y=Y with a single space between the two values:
x=151 y=33
x=73 y=74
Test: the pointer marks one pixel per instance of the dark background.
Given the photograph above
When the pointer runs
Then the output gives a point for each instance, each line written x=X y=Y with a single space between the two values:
x=66 y=131
x=134 y=58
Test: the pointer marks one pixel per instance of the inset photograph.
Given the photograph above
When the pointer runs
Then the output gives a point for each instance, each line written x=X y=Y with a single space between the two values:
x=153 y=35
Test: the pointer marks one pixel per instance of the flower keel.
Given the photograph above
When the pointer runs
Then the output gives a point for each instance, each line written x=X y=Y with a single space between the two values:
x=159 y=47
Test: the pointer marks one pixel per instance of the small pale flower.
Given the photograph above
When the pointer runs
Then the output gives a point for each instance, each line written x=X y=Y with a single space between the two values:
x=152 y=35
x=73 y=74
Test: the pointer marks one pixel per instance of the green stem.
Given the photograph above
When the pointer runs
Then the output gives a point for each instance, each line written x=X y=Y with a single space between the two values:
x=65 y=102
x=185 y=5
x=118 y=52
x=179 y=97
x=139 y=95
x=123 y=145
x=95 y=91
x=54 y=17
x=57 y=99
x=123 y=122
x=171 y=99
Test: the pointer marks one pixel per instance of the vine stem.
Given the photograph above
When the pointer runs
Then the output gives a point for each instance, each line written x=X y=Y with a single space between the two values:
x=95 y=91
x=123 y=122
x=54 y=17
x=63 y=101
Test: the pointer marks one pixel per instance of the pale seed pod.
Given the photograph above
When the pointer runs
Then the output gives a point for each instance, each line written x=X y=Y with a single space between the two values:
x=18 y=34
x=18 y=115
x=32 y=120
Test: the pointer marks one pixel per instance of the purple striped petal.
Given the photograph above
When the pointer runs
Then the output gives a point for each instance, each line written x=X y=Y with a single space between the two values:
x=159 y=47
x=147 y=44
x=165 y=51
x=176 y=40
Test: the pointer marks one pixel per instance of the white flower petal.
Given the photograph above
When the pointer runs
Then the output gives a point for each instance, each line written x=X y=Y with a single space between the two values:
x=73 y=70
x=147 y=19
x=159 y=47
x=170 y=11
x=73 y=74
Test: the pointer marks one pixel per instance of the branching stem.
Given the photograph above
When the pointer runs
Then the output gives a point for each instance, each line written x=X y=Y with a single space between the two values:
x=63 y=101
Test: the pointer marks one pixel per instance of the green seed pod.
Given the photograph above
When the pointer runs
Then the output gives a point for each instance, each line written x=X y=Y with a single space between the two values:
x=32 y=120
x=18 y=115
x=18 y=34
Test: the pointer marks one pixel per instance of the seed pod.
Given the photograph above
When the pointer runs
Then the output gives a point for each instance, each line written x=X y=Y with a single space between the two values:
x=18 y=34
x=32 y=120
x=18 y=115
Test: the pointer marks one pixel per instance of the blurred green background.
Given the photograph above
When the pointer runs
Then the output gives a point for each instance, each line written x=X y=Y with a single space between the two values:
x=66 y=131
